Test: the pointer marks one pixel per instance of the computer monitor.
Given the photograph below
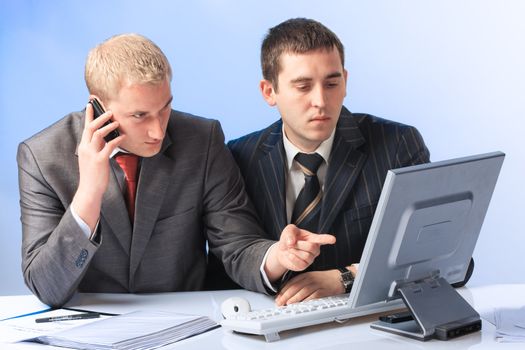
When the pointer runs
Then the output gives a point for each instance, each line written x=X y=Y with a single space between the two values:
x=421 y=240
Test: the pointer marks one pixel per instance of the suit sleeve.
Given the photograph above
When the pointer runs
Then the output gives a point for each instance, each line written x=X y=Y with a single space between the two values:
x=234 y=234
x=55 y=251
x=411 y=148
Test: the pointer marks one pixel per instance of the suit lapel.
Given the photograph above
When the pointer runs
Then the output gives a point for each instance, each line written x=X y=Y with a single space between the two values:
x=345 y=166
x=153 y=184
x=115 y=213
x=271 y=169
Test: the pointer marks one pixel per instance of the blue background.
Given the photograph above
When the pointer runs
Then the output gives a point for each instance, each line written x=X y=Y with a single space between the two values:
x=453 y=68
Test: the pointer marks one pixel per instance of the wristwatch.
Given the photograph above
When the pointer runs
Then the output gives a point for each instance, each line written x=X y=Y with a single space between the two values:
x=347 y=279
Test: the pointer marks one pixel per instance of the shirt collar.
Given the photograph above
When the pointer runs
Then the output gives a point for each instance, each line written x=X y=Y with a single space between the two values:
x=324 y=149
x=117 y=150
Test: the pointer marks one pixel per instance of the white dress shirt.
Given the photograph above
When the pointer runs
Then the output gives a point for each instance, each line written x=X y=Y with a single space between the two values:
x=295 y=181
x=294 y=175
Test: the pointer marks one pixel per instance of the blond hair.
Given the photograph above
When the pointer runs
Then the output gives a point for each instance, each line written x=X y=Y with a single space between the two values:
x=124 y=59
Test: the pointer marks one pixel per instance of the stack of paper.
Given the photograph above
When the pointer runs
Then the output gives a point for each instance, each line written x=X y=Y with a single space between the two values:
x=25 y=327
x=136 y=330
x=510 y=325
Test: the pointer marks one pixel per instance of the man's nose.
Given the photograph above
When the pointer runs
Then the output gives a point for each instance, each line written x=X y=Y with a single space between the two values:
x=319 y=97
x=155 y=130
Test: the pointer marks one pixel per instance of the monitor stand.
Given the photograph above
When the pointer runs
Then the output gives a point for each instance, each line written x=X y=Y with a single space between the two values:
x=437 y=311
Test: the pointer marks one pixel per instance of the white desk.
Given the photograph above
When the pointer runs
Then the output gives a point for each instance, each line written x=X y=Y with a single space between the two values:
x=355 y=334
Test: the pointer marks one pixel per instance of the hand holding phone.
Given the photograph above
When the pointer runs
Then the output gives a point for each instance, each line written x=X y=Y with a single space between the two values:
x=97 y=112
x=94 y=164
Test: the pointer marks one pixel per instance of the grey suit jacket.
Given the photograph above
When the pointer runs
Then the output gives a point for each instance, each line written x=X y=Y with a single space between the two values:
x=188 y=194
x=364 y=149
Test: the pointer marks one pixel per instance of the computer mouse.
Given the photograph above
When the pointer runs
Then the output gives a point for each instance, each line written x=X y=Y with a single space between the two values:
x=234 y=306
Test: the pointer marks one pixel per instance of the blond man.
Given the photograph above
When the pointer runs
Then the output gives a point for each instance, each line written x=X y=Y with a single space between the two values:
x=133 y=213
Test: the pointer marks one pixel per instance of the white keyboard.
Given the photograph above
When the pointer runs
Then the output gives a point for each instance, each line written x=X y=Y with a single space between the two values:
x=269 y=322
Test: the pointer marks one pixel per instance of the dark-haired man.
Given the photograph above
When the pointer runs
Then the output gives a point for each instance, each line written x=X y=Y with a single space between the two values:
x=320 y=166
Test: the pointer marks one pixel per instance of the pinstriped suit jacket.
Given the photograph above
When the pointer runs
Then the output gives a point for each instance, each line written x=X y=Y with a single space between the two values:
x=365 y=148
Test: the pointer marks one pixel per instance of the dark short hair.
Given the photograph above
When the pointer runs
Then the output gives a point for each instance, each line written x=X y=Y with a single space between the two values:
x=297 y=36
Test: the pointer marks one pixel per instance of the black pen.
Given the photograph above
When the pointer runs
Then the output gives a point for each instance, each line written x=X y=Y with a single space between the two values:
x=68 y=317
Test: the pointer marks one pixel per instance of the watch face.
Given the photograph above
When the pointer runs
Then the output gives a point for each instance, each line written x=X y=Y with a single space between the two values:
x=347 y=278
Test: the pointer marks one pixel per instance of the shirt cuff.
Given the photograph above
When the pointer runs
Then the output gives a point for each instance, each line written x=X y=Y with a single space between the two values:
x=267 y=282
x=83 y=226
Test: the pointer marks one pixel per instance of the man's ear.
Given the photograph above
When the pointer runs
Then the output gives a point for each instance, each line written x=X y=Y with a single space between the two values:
x=267 y=92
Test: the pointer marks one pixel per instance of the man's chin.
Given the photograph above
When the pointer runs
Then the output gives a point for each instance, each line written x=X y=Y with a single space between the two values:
x=320 y=136
x=146 y=153
x=150 y=154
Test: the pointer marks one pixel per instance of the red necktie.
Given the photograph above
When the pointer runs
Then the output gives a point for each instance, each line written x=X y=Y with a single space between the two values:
x=129 y=164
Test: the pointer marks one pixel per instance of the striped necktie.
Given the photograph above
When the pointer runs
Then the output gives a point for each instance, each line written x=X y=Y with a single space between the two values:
x=306 y=210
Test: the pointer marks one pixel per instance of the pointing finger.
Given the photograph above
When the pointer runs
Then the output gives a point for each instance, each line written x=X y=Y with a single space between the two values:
x=321 y=239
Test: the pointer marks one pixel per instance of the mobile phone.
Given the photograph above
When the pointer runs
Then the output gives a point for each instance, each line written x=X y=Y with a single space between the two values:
x=97 y=112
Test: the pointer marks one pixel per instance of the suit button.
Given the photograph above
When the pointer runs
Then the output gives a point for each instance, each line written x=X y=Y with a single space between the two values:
x=81 y=258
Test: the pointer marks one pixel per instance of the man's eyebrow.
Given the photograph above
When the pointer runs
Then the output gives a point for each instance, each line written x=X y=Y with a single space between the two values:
x=166 y=105
x=169 y=102
x=301 y=80
x=334 y=75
